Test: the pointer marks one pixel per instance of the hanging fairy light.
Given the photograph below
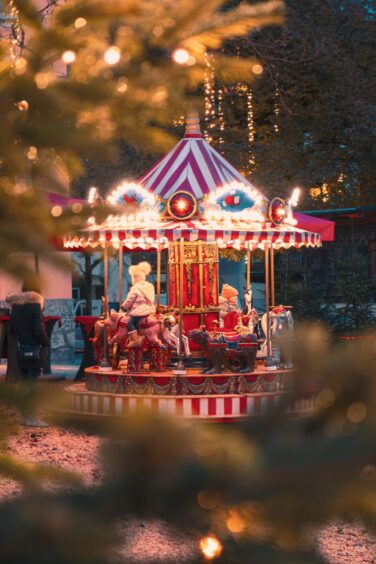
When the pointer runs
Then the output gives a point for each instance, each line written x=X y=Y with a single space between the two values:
x=276 y=110
x=16 y=29
x=251 y=131
x=221 y=122
x=209 y=90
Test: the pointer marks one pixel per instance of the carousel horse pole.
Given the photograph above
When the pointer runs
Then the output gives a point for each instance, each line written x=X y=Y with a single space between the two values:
x=105 y=363
x=267 y=299
x=180 y=365
x=272 y=273
x=248 y=265
x=120 y=275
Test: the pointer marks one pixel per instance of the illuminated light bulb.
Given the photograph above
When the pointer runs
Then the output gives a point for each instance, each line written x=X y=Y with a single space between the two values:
x=294 y=199
x=181 y=56
x=23 y=105
x=68 y=57
x=210 y=547
x=79 y=23
x=257 y=69
x=181 y=205
x=56 y=211
x=32 y=153
x=20 y=65
x=112 y=55
x=93 y=195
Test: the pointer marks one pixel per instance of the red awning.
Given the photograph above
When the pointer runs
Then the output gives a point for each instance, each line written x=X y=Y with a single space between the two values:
x=316 y=225
x=61 y=200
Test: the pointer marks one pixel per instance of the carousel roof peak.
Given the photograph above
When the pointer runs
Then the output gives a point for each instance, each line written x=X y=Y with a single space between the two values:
x=192 y=122
x=193 y=166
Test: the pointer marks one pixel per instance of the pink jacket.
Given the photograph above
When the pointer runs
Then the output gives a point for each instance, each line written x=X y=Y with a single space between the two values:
x=140 y=299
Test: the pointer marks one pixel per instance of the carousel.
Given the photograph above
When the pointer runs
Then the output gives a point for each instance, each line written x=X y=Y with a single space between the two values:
x=201 y=354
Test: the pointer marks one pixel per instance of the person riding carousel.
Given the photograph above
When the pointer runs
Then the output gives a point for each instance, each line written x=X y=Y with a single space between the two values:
x=139 y=302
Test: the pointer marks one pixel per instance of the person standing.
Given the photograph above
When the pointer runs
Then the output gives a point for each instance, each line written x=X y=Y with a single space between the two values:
x=27 y=329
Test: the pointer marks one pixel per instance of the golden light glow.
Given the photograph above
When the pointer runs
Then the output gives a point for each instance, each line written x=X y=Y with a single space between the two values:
x=181 y=56
x=80 y=22
x=181 y=205
x=257 y=69
x=23 y=105
x=294 y=198
x=112 y=55
x=68 y=57
x=93 y=195
x=357 y=412
x=32 y=153
x=56 y=211
x=210 y=547
x=235 y=524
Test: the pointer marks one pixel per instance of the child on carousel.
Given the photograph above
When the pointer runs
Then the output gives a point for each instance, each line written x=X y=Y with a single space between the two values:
x=139 y=302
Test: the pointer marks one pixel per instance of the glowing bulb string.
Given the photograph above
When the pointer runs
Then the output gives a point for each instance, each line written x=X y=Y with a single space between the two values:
x=16 y=30
x=221 y=122
x=276 y=110
x=251 y=131
x=209 y=91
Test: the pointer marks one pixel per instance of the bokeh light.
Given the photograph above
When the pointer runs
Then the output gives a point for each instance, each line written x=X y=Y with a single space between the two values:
x=112 y=55
x=69 y=57
x=181 y=56
x=210 y=547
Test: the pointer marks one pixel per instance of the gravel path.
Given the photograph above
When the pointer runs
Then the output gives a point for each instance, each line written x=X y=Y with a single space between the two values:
x=152 y=541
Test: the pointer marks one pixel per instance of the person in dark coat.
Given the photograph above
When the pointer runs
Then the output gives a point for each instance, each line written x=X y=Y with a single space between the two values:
x=26 y=325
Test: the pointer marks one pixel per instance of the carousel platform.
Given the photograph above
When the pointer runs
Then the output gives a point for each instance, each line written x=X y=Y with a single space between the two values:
x=194 y=396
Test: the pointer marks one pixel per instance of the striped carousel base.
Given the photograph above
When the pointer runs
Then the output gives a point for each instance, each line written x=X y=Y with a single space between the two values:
x=216 y=408
x=113 y=395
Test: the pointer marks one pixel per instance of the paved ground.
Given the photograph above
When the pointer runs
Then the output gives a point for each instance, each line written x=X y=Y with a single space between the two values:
x=67 y=371
x=152 y=541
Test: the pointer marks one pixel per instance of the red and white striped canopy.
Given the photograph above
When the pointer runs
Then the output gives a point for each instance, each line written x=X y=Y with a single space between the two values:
x=159 y=235
x=193 y=166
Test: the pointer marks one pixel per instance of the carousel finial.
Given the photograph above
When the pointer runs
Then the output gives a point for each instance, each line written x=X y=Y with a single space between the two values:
x=192 y=124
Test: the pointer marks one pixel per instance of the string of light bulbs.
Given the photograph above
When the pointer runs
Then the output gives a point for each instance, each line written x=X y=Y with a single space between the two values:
x=16 y=29
x=209 y=94
x=251 y=131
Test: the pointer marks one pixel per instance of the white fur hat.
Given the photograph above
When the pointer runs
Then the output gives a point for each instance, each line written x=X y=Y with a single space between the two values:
x=141 y=269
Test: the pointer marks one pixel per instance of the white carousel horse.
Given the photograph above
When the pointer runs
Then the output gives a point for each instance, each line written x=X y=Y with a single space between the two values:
x=249 y=311
x=247 y=296
x=171 y=334
x=281 y=325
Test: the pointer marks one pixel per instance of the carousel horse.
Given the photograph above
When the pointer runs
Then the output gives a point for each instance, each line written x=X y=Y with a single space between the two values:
x=112 y=325
x=236 y=351
x=150 y=328
x=281 y=325
x=171 y=334
x=249 y=312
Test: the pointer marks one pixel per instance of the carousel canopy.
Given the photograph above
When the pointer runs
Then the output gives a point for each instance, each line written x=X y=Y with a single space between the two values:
x=194 y=194
x=192 y=165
